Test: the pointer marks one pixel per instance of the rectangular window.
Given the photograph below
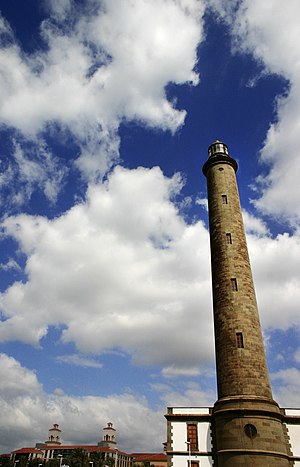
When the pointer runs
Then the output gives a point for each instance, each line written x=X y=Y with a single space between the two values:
x=239 y=340
x=194 y=464
x=234 y=286
x=228 y=238
x=192 y=437
x=224 y=199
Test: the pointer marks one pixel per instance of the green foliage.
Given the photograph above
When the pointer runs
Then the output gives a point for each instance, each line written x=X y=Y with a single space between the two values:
x=53 y=463
x=22 y=461
x=6 y=462
x=99 y=459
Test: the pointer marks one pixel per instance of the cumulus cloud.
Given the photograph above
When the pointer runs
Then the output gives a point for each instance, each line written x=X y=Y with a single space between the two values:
x=124 y=265
x=111 y=63
x=257 y=29
x=275 y=264
x=190 y=394
x=10 y=385
x=287 y=389
x=27 y=413
x=121 y=270
x=254 y=224
x=32 y=167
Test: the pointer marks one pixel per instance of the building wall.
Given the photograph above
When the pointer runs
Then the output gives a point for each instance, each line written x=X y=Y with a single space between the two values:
x=294 y=434
x=179 y=417
x=179 y=430
x=204 y=461
x=190 y=410
x=178 y=449
x=293 y=429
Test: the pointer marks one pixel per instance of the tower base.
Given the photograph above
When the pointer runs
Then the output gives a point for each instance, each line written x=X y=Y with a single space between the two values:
x=250 y=431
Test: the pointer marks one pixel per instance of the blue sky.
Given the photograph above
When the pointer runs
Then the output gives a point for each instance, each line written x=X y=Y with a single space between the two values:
x=107 y=109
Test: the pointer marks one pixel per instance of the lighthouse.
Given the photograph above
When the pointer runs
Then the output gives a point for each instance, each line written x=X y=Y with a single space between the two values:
x=247 y=423
x=245 y=427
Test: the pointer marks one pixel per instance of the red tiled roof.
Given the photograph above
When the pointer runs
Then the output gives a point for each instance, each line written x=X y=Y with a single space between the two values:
x=142 y=457
x=71 y=446
x=27 y=451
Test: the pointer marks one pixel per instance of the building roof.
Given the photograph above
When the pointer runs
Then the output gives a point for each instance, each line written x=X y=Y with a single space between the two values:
x=152 y=457
x=28 y=451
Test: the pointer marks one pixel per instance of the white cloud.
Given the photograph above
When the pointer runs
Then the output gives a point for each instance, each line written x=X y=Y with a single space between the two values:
x=79 y=360
x=124 y=266
x=12 y=373
x=27 y=413
x=59 y=9
x=297 y=356
x=191 y=394
x=173 y=371
x=31 y=166
x=275 y=264
x=112 y=64
x=9 y=265
x=202 y=202
x=43 y=171
x=287 y=387
x=257 y=28
x=254 y=224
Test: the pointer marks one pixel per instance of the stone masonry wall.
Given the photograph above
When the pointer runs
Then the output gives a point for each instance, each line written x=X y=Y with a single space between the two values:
x=240 y=371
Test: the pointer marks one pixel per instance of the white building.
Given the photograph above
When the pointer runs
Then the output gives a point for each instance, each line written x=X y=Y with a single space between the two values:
x=190 y=436
x=292 y=420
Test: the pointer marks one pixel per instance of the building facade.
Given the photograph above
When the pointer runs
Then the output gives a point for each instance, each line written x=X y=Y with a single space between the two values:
x=103 y=454
x=246 y=427
x=189 y=437
x=53 y=449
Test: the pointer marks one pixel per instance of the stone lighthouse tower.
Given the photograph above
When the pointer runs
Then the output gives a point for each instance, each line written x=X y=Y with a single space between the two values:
x=248 y=425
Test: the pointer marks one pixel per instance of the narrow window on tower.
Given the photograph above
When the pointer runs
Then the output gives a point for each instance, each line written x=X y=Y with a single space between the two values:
x=224 y=199
x=239 y=340
x=228 y=238
x=234 y=286
x=192 y=437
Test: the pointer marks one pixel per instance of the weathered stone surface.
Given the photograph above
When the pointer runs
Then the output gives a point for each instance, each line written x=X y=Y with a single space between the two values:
x=244 y=390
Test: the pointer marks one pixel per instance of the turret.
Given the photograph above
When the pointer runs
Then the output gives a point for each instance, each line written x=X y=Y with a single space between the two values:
x=54 y=436
x=109 y=437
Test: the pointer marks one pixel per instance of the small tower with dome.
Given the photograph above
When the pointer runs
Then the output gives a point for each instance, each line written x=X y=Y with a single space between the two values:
x=109 y=437
x=54 y=436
